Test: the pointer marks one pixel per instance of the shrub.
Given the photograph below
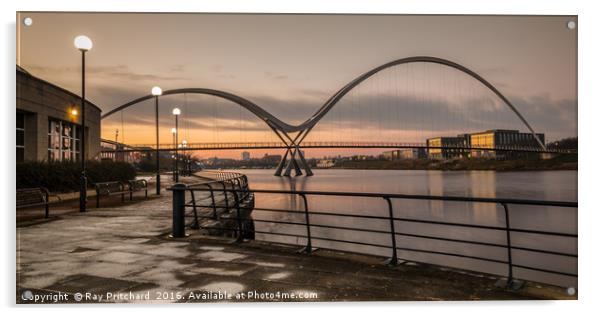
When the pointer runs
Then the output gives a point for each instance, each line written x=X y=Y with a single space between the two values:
x=63 y=176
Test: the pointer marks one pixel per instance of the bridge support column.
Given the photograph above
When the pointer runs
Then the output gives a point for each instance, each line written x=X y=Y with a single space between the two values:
x=296 y=161
x=282 y=163
x=292 y=163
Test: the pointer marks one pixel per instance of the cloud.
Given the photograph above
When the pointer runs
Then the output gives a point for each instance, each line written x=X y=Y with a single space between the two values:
x=113 y=73
x=177 y=68
x=273 y=76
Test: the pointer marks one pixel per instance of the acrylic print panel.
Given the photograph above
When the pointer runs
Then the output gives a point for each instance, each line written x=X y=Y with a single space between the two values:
x=166 y=158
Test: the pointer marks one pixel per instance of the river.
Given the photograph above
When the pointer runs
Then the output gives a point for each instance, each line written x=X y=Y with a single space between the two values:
x=539 y=185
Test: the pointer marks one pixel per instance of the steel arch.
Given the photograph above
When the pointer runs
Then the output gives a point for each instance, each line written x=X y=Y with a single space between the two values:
x=262 y=114
x=334 y=99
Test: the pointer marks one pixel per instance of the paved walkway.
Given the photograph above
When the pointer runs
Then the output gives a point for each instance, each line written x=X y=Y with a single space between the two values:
x=125 y=251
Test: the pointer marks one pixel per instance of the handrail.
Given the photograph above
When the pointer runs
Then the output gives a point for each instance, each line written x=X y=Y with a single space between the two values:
x=342 y=144
x=388 y=197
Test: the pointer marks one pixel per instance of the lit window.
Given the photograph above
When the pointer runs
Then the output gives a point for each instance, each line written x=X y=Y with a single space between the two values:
x=63 y=140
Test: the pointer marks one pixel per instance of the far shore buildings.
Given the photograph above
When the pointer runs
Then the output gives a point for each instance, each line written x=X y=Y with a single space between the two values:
x=49 y=122
x=325 y=163
x=495 y=138
x=405 y=153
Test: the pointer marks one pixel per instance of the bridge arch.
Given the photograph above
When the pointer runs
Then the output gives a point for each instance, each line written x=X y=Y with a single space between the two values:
x=281 y=128
x=309 y=124
x=273 y=122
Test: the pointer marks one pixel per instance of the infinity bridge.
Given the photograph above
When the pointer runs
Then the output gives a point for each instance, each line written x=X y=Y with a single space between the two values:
x=292 y=136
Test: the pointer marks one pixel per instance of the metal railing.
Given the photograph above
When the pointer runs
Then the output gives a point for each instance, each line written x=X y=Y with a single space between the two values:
x=233 y=186
x=238 y=193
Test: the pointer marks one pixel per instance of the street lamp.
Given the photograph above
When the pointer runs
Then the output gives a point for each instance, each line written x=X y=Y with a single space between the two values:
x=156 y=91
x=173 y=141
x=186 y=161
x=176 y=113
x=83 y=44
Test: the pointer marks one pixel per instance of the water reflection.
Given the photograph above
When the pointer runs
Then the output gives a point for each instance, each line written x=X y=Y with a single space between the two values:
x=556 y=185
x=484 y=184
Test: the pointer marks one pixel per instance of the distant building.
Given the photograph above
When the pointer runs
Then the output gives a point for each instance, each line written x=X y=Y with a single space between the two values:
x=390 y=155
x=435 y=150
x=490 y=139
x=49 y=122
x=246 y=156
x=406 y=153
x=412 y=153
x=272 y=158
x=501 y=138
x=325 y=163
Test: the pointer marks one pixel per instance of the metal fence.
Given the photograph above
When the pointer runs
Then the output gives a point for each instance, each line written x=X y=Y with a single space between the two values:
x=235 y=189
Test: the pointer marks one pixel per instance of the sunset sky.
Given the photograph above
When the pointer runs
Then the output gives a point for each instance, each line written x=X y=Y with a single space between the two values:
x=291 y=64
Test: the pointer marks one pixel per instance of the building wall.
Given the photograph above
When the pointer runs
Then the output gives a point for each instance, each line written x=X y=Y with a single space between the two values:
x=502 y=139
x=406 y=153
x=446 y=153
x=40 y=101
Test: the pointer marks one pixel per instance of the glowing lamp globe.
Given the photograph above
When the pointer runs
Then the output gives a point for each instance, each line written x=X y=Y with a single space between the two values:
x=175 y=111
x=83 y=43
x=156 y=91
x=174 y=130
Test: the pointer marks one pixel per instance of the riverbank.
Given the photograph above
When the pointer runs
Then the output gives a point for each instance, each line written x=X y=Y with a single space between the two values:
x=557 y=163
x=125 y=251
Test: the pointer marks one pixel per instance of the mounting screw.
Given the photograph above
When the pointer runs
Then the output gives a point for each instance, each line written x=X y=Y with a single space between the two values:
x=571 y=25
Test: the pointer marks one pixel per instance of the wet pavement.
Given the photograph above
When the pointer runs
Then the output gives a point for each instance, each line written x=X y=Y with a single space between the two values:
x=123 y=254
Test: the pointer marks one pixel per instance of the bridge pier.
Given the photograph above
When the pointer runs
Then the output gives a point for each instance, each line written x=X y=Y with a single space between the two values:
x=297 y=162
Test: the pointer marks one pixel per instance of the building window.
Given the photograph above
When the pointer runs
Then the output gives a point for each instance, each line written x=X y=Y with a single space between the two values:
x=63 y=140
x=20 y=136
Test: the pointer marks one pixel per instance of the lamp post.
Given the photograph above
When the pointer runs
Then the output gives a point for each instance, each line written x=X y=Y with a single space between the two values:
x=156 y=91
x=173 y=141
x=185 y=153
x=176 y=113
x=83 y=44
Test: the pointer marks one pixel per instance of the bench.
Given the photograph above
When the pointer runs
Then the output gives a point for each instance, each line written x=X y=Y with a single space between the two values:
x=109 y=189
x=34 y=197
x=138 y=185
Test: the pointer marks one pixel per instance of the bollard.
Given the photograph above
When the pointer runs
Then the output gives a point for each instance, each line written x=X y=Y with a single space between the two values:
x=178 y=222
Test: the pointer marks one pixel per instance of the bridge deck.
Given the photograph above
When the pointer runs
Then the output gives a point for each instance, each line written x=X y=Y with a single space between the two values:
x=326 y=144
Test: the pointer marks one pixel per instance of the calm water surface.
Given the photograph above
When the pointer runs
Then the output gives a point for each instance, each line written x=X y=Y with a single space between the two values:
x=541 y=185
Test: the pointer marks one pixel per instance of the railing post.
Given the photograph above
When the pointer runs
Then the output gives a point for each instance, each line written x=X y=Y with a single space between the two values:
x=194 y=225
x=213 y=201
x=226 y=197
x=178 y=229
x=393 y=261
x=510 y=283
x=239 y=237
x=308 y=248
